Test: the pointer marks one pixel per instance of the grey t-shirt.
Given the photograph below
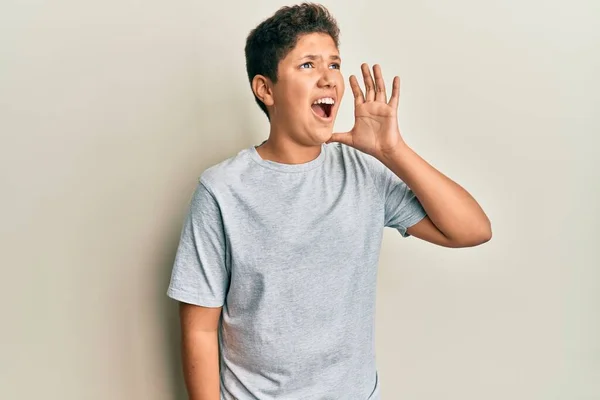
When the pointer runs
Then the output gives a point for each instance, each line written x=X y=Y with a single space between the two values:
x=291 y=251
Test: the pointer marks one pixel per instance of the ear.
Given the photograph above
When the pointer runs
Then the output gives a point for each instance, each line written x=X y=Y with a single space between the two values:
x=262 y=88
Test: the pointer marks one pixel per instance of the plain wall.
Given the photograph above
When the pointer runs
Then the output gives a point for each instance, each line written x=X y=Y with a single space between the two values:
x=111 y=110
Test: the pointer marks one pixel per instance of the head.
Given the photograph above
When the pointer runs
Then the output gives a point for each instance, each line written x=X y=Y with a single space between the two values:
x=293 y=61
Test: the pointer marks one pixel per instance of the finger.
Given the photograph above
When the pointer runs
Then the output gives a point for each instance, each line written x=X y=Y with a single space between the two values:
x=369 y=84
x=345 y=138
x=395 y=99
x=380 y=94
x=359 y=98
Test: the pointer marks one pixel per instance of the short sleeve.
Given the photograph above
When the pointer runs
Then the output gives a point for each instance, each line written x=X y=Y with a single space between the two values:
x=200 y=275
x=402 y=208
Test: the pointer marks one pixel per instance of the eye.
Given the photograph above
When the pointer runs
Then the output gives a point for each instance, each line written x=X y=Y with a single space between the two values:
x=336 y=65
x=306 y=63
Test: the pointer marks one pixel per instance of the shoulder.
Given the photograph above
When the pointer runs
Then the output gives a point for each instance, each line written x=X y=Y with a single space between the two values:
x=226 y=173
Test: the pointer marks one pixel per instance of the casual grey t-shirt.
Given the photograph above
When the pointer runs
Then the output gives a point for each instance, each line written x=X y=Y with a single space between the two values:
x=291 y=251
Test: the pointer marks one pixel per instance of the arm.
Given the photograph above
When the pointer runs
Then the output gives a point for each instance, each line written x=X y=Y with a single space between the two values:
x=454 y=218
x=200 y=351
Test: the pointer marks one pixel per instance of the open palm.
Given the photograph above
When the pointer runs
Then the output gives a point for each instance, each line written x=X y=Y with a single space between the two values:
x=375 y=130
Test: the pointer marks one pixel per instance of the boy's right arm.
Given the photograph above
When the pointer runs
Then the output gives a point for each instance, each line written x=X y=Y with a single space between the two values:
x=200 y=350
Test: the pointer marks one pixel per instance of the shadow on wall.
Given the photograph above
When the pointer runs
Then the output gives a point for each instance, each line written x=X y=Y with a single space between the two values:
x=218 y=143
x=169 y=310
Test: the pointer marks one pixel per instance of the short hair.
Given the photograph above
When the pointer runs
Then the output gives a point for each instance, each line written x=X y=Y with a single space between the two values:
x=275 y=37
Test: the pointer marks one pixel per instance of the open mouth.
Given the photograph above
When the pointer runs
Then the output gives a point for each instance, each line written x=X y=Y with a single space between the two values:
x=323 y=107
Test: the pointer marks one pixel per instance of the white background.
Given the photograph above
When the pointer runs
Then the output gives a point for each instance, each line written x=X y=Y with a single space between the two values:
x=110 y=110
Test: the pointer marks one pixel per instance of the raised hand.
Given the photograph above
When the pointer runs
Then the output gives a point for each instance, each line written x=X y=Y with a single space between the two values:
x=375 y=130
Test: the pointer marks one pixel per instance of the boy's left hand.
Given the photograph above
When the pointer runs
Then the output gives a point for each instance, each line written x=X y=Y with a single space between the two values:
x=375 y=130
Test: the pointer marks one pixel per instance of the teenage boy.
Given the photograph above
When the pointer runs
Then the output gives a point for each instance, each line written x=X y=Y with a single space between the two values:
x=277 y=262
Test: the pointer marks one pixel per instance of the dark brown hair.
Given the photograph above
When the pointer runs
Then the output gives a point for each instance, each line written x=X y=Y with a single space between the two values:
x=275 y=37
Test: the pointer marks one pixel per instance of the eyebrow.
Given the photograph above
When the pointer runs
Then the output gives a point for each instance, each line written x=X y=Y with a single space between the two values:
x=315 y=57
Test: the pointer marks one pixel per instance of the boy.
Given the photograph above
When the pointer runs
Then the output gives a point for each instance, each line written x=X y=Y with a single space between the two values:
x=277 y=262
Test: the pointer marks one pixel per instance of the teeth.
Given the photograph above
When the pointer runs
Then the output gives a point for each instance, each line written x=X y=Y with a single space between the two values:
x=325 y=100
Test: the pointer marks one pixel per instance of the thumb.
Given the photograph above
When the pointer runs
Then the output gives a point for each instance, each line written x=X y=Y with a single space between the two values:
x=344 y=138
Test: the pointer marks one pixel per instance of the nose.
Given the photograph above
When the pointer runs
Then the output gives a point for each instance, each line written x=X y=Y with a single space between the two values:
x=326 y=79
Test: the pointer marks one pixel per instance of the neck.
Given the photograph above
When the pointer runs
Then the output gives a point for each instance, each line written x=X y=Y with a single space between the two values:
x=283 y=149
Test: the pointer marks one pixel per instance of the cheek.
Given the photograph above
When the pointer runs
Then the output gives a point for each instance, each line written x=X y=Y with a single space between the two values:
x=298 y=98
x=289 y=101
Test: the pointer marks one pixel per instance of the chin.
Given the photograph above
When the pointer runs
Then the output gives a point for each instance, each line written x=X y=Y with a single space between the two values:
x=317 y=132
x=323 y=134
x=324 y=129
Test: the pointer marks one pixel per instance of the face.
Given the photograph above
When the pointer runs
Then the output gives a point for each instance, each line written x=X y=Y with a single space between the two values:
x=309 y=74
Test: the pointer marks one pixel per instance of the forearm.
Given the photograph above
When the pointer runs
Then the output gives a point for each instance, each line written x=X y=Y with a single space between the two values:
x=450 y=207
x=200 y=355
